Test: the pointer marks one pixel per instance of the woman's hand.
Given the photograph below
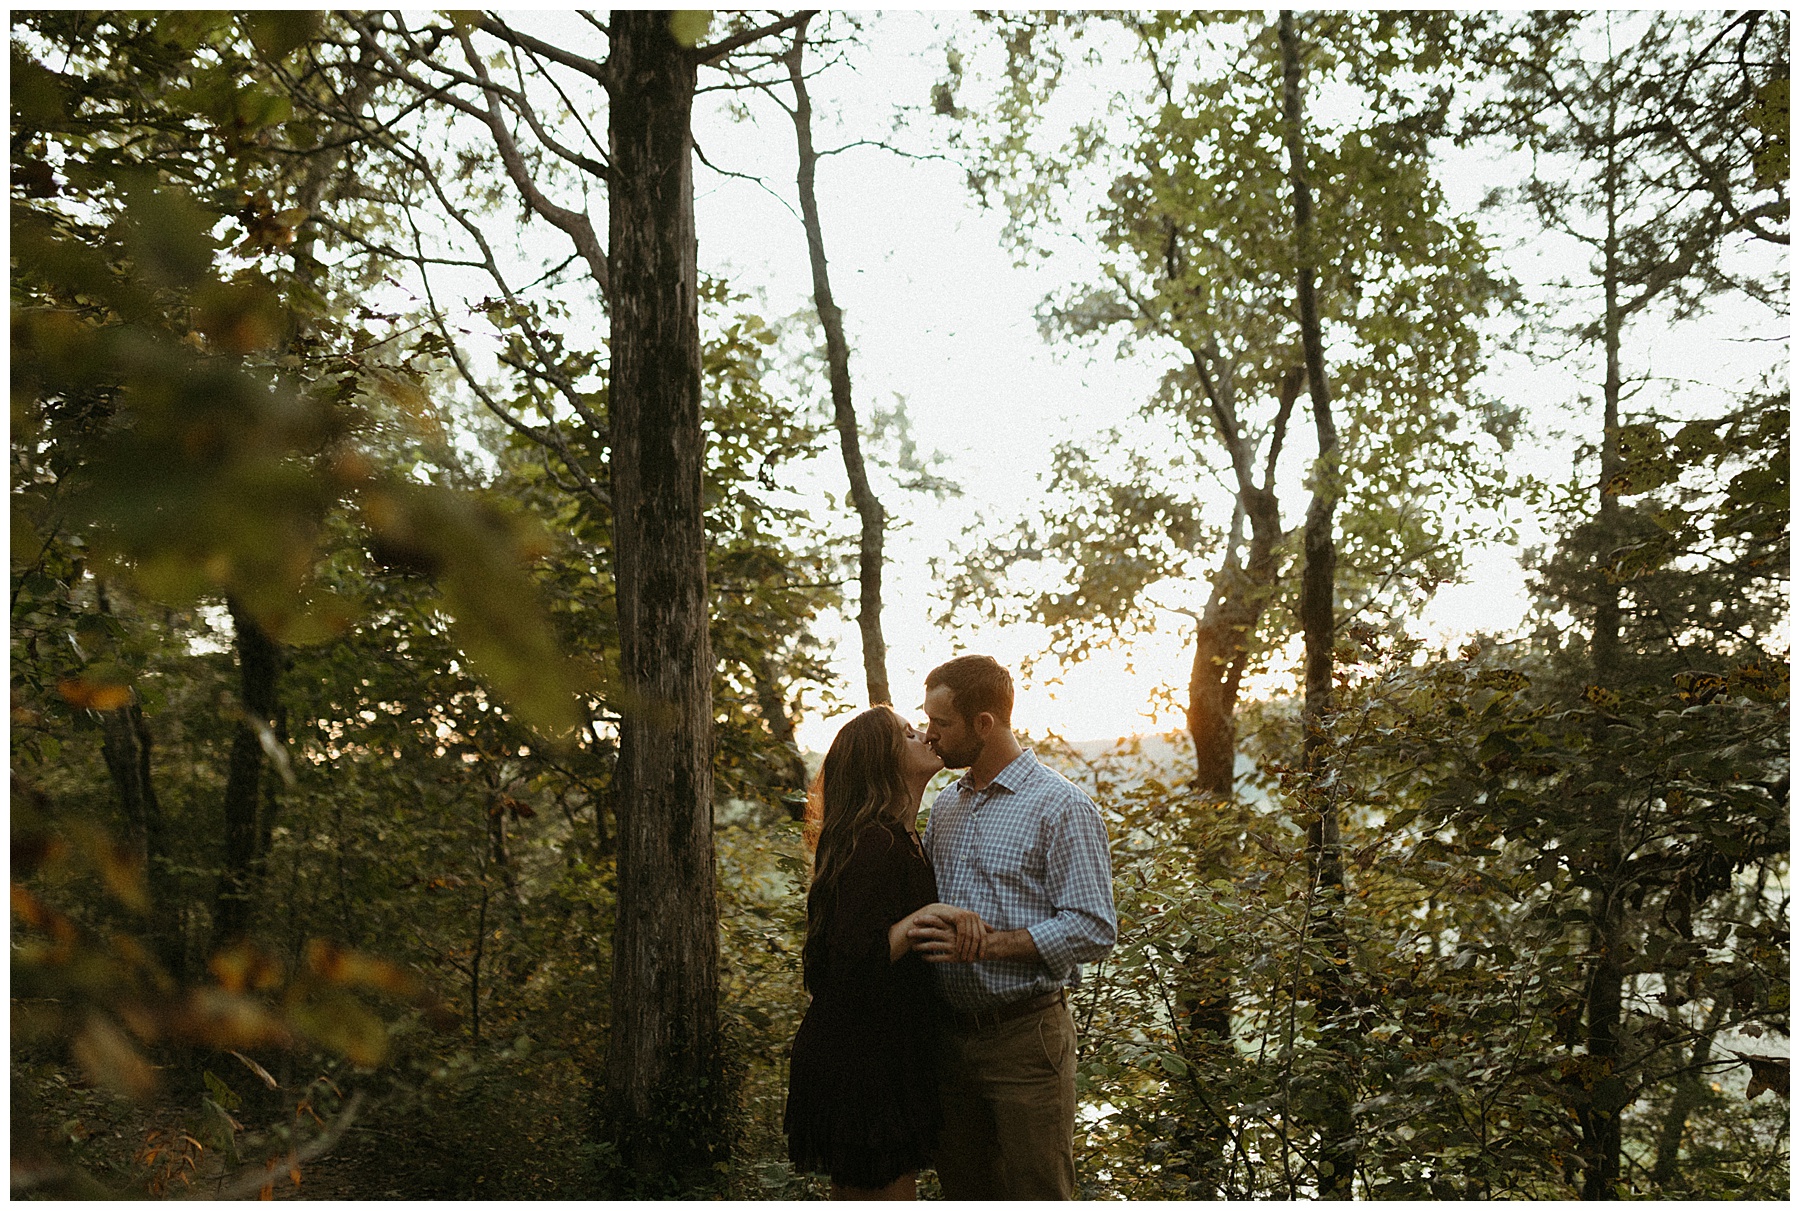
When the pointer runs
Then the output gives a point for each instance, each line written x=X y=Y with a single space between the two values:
x=943 y=933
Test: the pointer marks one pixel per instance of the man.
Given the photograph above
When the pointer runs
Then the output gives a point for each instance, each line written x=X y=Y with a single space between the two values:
x=1026 y=849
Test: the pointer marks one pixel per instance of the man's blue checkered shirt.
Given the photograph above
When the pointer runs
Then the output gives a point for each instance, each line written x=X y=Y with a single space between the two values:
x=1026 y=852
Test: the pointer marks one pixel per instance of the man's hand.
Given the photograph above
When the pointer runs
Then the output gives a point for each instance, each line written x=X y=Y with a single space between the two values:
x=943 y=933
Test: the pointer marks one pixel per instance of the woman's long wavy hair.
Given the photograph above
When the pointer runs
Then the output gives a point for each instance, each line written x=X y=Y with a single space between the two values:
x=860 y=784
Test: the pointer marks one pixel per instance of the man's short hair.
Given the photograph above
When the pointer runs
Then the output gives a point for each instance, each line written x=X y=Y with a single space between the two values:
x=976 y=684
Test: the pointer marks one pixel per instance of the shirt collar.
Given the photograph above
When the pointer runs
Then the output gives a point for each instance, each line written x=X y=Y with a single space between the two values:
x=1009 y=779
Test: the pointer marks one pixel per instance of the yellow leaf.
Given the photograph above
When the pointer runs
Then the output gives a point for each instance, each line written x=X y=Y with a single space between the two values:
x=223 y=1020
x=342 y=1023
x=110 y=1060
x=243 y=966
x=337 y=965
x=93 y=695
x=689 y=25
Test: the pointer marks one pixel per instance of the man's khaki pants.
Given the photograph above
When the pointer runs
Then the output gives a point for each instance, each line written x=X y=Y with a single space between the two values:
x=1009 y=1109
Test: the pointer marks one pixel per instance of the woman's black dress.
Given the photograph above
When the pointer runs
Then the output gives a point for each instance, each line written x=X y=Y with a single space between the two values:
x=862 y=1091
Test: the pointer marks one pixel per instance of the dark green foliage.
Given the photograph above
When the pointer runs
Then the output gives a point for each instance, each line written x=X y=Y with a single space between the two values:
x=209 y=408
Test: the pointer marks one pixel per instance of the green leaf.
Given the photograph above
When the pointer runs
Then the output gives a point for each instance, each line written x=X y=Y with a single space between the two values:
x=689 y=25
x=220 y=1092
x=276 y=33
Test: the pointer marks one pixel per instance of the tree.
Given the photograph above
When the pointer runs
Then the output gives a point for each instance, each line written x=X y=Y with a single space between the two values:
x=1318 y=620
x=1655 y=184
x=664 y=1101
x=1197 y=263
x=837 y=352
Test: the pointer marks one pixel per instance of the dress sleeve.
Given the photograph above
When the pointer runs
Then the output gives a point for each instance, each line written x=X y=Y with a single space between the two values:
x=871 y=895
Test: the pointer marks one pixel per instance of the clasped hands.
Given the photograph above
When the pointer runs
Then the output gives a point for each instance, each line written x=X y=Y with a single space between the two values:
x=943 y=933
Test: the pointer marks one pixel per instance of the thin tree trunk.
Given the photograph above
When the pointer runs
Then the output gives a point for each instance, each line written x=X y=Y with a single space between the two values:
x=1612 y=462
x=1603 y=1010
x=665 y=1103
x=250 y=801
x=781 y=729
x=1240 y=592
x=475 y=953
x=125 y=744
x=1690 y=1090
x=1211 y=703
x=259 y=665
x=1337 y=1145
x=500 y=858
x=837 y=355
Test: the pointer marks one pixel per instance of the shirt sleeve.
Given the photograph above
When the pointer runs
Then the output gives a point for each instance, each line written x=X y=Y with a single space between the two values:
x=1083 y=925
x=870 y=895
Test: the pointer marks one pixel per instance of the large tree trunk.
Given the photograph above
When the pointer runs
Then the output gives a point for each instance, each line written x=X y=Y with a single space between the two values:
x=837 y=355
x=1212 y=700
x=664 y=1101
x=259 y=665
x=1318 y=618
x=1222 y=644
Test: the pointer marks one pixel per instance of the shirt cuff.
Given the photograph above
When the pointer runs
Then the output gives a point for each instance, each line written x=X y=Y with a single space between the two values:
x=1053 y=947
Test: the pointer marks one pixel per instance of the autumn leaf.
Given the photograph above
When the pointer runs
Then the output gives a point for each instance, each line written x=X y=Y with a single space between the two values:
x=1766 y=1074
x=338 y=965
x=243 y=967
x=111 y=1060
x=93 y=695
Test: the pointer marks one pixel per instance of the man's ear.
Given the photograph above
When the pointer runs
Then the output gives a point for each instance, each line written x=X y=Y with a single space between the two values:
x=984 y=724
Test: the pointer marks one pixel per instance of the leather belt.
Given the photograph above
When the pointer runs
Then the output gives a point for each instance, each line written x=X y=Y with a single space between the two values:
x=988 y=1019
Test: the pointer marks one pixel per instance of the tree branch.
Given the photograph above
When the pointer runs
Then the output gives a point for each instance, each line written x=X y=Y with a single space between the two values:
x=591 y=68
x=706 y=54
x=572 y=223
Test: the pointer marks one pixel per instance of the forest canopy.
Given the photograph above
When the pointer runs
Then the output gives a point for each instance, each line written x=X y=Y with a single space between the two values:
x=454 y=484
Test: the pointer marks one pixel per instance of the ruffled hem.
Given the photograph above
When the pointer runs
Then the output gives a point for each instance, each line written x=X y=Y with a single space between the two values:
x=865 y=1145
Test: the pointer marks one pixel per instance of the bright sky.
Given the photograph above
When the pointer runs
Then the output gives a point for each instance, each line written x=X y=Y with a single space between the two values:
x=938 y=315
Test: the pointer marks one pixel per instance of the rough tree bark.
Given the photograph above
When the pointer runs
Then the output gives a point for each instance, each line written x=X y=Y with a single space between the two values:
x=837 y=355
x=1240 y=590
x=664 y=1103
x=1318 y=584
x=259 y=665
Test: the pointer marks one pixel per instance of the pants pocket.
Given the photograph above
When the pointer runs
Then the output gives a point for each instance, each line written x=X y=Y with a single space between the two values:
x=1054 y=1043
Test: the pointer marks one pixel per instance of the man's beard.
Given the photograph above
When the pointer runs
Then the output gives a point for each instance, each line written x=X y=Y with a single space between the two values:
x=959 y=759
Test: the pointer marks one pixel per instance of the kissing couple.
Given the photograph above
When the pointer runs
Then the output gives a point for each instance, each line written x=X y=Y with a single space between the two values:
x=939 y=1032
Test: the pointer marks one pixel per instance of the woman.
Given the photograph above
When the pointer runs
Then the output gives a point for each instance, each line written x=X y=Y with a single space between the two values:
x=862 y=1096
